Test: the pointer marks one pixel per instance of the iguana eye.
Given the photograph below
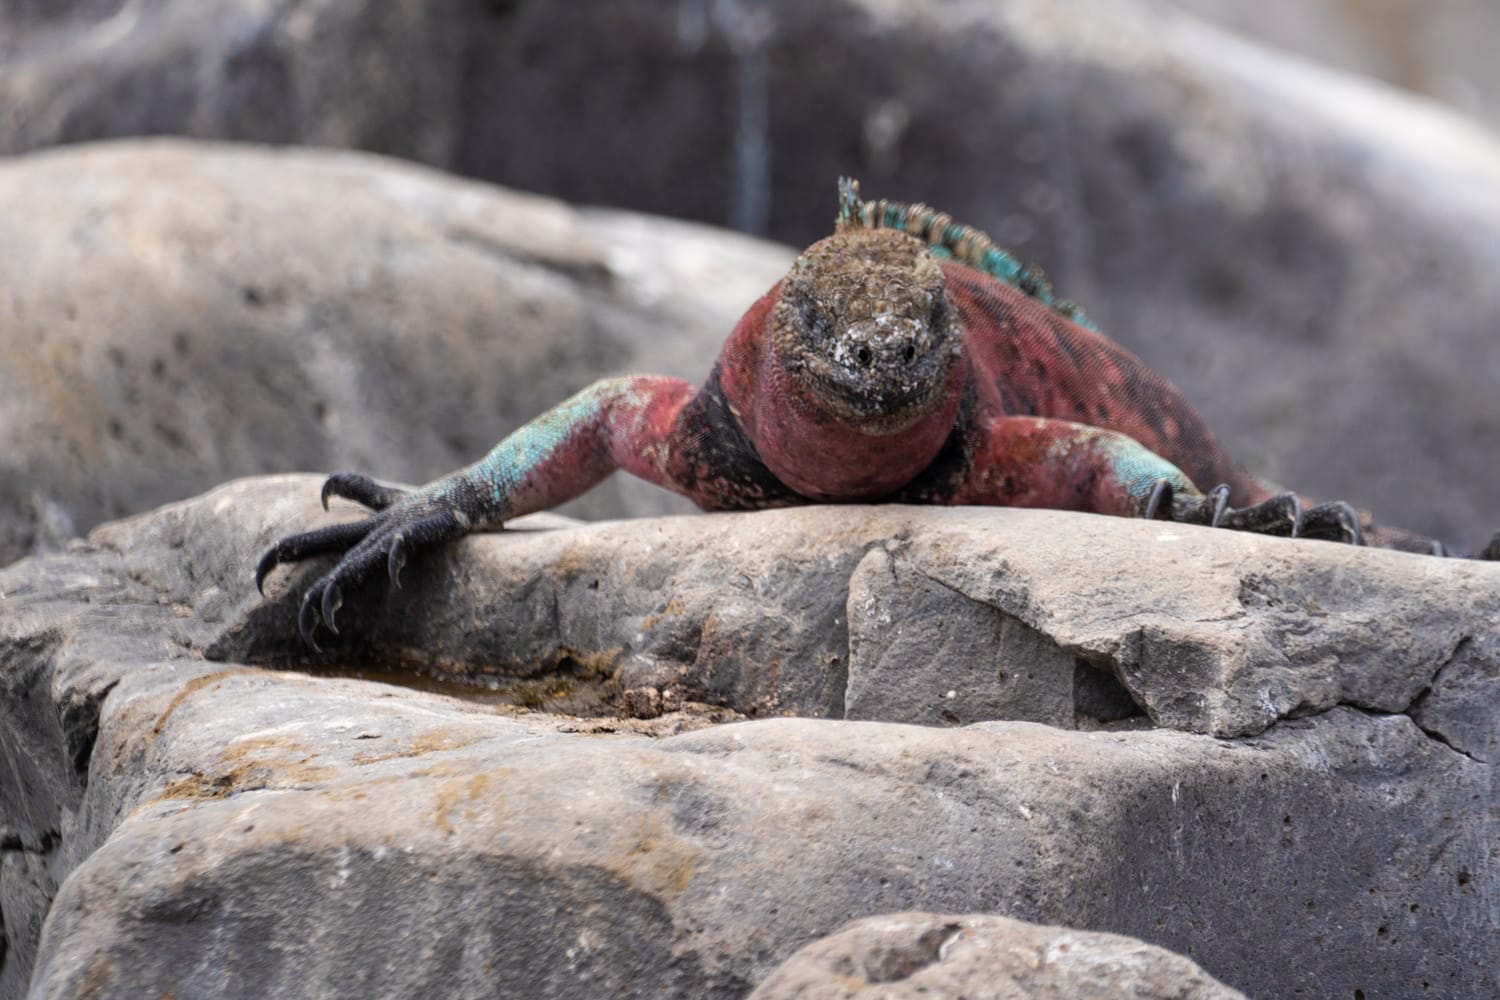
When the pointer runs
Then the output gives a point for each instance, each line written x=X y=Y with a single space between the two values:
x=939 y=318
x=813 y=319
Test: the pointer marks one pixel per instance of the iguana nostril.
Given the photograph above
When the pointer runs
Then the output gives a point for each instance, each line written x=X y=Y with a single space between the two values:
x=863 y=355
x=910 y=354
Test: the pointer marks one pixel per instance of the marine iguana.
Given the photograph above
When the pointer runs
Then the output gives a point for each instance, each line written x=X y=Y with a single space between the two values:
x=904 y=359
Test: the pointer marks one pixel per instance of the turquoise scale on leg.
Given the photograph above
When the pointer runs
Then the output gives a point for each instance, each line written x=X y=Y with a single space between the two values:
x=499 y=475
x=1138 y=469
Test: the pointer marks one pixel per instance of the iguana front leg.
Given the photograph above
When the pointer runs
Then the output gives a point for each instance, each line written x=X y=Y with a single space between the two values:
x=1062 y=465
x=622 y=423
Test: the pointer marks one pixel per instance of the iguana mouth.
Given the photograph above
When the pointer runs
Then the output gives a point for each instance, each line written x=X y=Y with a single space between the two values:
x=867 y=391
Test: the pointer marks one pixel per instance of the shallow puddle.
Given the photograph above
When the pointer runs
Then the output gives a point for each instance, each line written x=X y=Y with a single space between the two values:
x=562 y=693
x=581 y=704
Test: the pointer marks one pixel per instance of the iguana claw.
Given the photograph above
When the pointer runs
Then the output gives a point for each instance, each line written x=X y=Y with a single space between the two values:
x=1160 y=500
x=333 y=538
x=360 y=489
x=307 y=622
x=1282 y=514
x=404 y=522
x=1220 y=494
x=268 y=561
x=333 y=599
x=1298 y=516
x=395 y=560
x=1491 y=551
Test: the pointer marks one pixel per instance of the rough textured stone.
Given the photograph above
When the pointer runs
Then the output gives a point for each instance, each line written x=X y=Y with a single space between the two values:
x=1308 y=255
x=894 y=607
x=1459 y=706
x=978 y=662
x=217 y=829
x=910 y=955
x=384 y=76
x=173 y=315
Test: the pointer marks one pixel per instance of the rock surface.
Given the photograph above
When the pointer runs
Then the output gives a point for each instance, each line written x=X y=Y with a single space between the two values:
x=1307 y=254
x=385 y=76
x=933 y=616
x=174 y=315
x=904 y=956
x=205 y=827
x=1437 y=48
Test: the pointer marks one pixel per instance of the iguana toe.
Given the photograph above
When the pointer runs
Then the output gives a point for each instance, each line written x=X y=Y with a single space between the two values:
x=1220 y=496
x=1491 y=552
x=333 y=538
x=307 y=619
x=333 y=599
x=1282 y=514
x=1336 y=521
x=395 y=559
x=360 y=489
x=1279 y=515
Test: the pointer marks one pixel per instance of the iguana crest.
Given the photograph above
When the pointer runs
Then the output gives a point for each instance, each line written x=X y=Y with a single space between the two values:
x=946 y=238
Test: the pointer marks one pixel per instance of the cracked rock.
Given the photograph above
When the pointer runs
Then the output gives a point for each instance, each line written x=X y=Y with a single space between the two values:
x=1462 y=705
x=182 y=820
x=900 y=614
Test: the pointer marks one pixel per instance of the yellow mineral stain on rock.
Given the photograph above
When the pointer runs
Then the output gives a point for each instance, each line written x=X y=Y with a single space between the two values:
x=251 y=745
x=199 y=785
x=428 y=742
x=661 y=859
x=270 y=756
x=673 y=608
x=97 y=979
x=191 y=688
x=457 y=792
x=188 y=787
x=574 y=562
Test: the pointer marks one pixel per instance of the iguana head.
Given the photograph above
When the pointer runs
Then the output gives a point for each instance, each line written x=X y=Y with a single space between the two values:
x=865 y=328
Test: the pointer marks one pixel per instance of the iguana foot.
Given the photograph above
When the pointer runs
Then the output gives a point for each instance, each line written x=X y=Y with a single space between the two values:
x=1282 y=514
x=405 y=522
x=1335 y=521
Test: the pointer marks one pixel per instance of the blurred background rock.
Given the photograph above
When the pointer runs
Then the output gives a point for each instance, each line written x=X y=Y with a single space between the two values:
x=1307 y=252
x=511 y=91
x=1441 y=49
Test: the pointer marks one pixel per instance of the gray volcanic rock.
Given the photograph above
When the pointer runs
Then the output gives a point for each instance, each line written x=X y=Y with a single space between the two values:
x=1458 y=706
x=205 y=827
x=383 y=76
x=1438 y=49
x=949 y=615
x=1307 y=254
x=912 y=955
x=176 y=315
